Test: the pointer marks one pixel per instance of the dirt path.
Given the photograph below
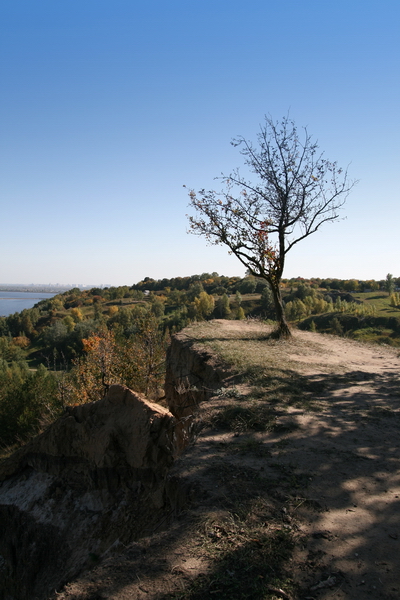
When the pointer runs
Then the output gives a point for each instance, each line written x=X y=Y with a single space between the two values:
x=347 y=448
x=331 y=469
x=351 y=448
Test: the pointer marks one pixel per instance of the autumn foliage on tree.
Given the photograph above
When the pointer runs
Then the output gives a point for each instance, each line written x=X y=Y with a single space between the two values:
x=143 y=357
x=93 y=371
x=136 y=362
x=294 y=192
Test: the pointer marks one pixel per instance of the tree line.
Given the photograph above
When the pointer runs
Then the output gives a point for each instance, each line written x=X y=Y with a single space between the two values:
x=69 y=348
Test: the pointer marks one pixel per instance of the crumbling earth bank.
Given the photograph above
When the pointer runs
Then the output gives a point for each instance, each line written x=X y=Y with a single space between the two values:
x=193 y=374
x=327 y=470
x=96 y=479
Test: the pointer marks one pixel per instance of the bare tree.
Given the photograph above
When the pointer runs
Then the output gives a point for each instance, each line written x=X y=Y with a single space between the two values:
x=295 y=191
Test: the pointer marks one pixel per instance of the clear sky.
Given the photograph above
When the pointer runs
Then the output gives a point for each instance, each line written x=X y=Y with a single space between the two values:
x=109 y=107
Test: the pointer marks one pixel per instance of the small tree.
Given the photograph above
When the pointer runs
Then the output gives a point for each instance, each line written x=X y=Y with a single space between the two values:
x=395 y=299
x=267 y=301
x=296 y=190
x=240 y=314
x=222 y=307
x=204 y=304
x=247 y=285
x=389 y=284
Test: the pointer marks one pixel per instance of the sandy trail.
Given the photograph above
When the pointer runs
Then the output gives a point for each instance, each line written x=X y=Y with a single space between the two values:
x=351 y=449
x=344 y=451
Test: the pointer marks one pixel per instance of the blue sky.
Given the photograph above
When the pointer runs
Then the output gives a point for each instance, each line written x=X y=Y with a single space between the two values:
x=108 y=108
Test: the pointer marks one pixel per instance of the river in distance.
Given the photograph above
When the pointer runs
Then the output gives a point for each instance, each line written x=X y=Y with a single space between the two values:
x=12 y=302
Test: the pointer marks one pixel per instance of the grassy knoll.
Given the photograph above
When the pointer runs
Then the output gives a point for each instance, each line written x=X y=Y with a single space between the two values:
x=381 y=301
x=372 y=321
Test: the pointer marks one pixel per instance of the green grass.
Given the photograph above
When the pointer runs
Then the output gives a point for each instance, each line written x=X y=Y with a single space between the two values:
x=378 y=335
x=380 y=324
x=380 y=300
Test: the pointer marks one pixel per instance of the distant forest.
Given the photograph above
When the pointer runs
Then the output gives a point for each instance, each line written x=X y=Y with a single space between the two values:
x=69 y=348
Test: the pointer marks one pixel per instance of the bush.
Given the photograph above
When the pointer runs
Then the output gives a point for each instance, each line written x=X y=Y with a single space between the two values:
x=336 y=326
x=240 y=314
x=27 y=400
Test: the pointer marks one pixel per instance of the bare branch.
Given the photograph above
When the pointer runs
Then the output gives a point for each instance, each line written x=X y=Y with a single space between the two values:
x=296 y=191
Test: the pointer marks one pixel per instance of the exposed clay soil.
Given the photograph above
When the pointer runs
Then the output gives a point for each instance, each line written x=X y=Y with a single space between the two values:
x=331 y=467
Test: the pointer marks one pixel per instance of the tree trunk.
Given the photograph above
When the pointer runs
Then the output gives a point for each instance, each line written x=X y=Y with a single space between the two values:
x=282 y=330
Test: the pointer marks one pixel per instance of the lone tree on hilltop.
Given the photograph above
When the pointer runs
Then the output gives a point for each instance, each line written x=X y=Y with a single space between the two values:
x=295 y=191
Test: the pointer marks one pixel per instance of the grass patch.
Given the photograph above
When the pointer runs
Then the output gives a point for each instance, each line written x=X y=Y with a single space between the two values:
x=248 y=556
x=231 y=392
x=380 y=300
x=241 y=418
x=378 y=335
x=7 y=451
x=269 y=366
x=381 y=328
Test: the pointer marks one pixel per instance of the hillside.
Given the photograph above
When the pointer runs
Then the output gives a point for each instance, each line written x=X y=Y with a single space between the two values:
x=291 y=488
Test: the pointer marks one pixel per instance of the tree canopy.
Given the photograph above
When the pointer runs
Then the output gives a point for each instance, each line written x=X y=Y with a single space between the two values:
x=295 y=190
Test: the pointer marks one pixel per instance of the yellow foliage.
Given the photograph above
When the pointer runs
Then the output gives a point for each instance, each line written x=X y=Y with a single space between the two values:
x=204 y=304
x=69 y=322
x=137 y=362
x=76 y=314
x=21 y=341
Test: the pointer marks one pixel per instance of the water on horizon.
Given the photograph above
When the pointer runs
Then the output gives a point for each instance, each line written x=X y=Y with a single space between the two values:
x=12 y=302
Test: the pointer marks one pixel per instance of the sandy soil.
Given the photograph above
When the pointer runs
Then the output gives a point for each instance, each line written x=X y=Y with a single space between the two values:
x=337 y=460
x=351 y=448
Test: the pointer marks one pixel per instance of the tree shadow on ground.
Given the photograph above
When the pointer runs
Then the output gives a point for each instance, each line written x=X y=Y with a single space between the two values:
x=337 y=472
x=307 y=506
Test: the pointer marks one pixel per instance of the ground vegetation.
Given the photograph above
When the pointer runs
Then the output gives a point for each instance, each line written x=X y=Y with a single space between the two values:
x=294 y=479
x=70 y=348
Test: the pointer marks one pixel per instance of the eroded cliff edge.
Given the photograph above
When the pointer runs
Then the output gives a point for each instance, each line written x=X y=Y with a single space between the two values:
x=193 y=373
x=97 y=478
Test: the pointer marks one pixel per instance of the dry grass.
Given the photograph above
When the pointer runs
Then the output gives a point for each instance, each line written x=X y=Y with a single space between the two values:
x=248 y=548
x=253 y=347
x=268 y=366
x=253 y=344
